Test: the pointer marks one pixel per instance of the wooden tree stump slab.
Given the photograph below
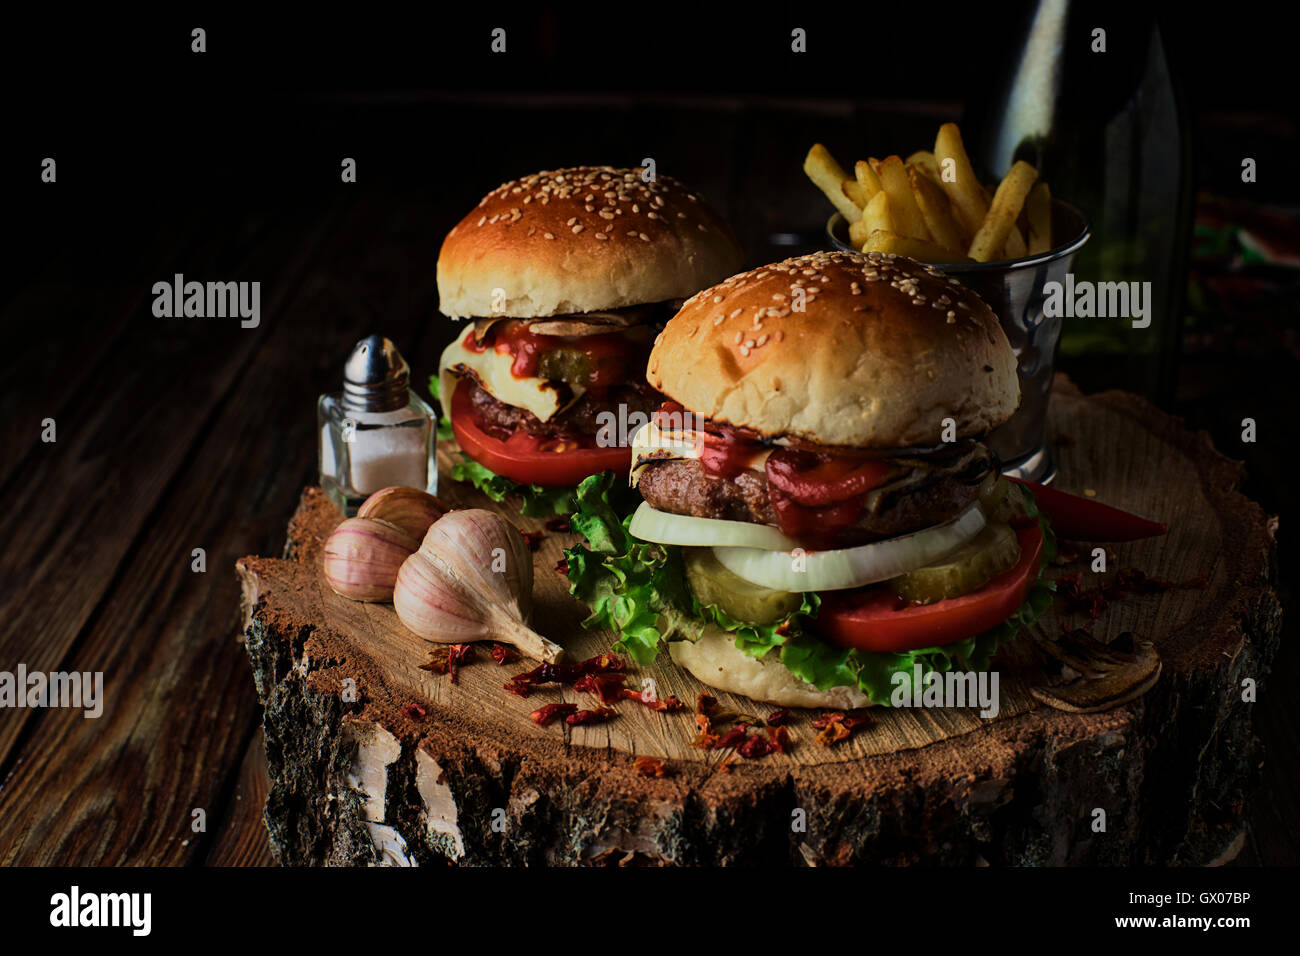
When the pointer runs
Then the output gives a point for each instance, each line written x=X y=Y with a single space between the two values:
x=363 y=777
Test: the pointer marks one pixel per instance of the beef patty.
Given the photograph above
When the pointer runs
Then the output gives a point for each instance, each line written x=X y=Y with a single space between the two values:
x=580 y=418
x=685 y=488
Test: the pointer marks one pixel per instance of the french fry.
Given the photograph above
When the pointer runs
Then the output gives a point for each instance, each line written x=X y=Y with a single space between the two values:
x=902 y=204
x=923 y=250
x=1004 y=209
x=968 y=200
x=1038 y=209
x=867 y=177
x=858 y=233
x=924 y=160
x=878 y=214
x=828 y=176
x=1015 y=246
x=855 y=191
x=934 y=206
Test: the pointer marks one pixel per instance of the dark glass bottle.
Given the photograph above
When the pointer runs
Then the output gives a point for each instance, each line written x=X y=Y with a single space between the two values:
x=1109 y=133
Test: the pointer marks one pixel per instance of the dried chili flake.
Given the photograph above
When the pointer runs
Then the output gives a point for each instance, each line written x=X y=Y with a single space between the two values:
x=650 y=767
x=607 y=686
x=558 y=524
x=833 y=733
x=445 y=658
x=781 y=739
x=414 y=711
x=778 y=717
x=597 y=715
x=545 y=715
x=503 y=654
x=732 y=738
x=836 y=726
x=544 y=673
x=705 y=704
x=756 y=746
x=667 y=705
x=533 y=539
x=646 y=698
x=562 y=567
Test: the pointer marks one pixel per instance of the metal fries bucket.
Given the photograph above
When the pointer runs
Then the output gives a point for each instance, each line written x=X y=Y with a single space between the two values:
x=1013 y=289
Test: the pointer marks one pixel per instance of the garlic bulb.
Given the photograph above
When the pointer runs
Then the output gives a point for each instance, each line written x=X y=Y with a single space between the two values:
x=362 y=558
x=471 y=580
x=410 y=509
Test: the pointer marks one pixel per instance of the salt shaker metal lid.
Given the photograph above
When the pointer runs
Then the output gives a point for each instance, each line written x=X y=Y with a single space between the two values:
x=376 y=377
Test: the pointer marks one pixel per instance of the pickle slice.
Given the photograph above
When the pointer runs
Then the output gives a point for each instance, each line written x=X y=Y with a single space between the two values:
x=1001 y=500
x=565 y=365
x=969 y=568
x=714 y=584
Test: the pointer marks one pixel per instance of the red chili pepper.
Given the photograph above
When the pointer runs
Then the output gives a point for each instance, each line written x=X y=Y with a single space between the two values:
x=1082 y=519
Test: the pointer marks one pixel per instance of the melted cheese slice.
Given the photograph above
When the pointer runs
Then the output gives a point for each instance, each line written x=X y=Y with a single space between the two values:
x=652 y=443
x=492 y=369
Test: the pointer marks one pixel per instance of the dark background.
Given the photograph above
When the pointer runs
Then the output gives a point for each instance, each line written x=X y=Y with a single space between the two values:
x=226 y=165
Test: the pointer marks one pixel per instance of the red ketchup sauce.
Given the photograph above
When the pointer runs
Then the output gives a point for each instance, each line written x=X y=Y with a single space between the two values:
x=814 y=494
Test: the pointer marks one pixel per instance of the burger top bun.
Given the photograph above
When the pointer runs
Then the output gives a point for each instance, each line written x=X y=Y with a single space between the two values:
x=865 y=350
x=715 y=660
x=582 y=240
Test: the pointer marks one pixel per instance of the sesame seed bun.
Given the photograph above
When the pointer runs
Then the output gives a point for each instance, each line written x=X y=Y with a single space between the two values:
x=716 y=661
x=884 y=350
x=582 y=240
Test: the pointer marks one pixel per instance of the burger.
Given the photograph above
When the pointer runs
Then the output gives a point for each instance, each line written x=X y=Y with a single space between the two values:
x=565 y=276
x=821 y=524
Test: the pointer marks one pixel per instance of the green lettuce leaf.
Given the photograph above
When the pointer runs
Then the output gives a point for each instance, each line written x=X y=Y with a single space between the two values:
x=638 y=590
x=538 y=502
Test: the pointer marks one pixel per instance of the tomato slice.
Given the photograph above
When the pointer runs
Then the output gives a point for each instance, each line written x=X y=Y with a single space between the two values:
x=528 y=459
x=876 y=619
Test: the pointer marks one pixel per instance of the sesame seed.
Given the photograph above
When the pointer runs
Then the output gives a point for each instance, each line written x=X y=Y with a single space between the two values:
x=601 y=235
x=482 y=220
x=780 y=335
x=744 y=350
x=571 y=221
x=548 y=235
x=717 y=299
x=643 y=236
x=740 y=336
x=717 y=319
x=761 y=339
x=606 y=214
x=736 y=312
x=952 y=316
x=578 y=228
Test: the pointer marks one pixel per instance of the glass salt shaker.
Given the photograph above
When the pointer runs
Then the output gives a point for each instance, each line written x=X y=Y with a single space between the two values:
x=376 y=432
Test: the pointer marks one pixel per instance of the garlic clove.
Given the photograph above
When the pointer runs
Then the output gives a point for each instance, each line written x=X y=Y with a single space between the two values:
x=363 y=556
x=471 y=580
x=410 y=509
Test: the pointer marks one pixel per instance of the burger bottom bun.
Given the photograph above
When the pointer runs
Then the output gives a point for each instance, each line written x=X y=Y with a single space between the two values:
x=715 y=660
